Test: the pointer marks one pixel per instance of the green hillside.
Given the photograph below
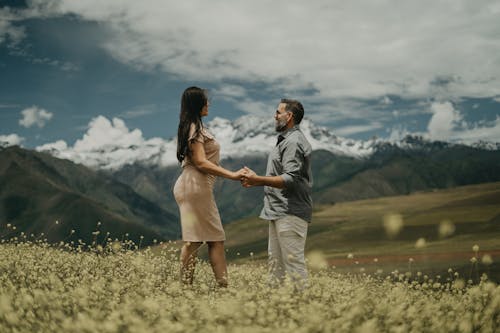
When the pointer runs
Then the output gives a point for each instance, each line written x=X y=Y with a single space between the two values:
x=357 y=229
x=36 y=190
x=390 y=171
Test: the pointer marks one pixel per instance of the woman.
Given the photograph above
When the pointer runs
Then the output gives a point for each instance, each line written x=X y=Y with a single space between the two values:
x=198 y=153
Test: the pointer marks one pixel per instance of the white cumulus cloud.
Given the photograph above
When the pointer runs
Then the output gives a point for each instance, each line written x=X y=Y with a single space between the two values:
x=10 y=140
x=447 y=124
x=110 y=144
x=443 y=121
x=35 y=116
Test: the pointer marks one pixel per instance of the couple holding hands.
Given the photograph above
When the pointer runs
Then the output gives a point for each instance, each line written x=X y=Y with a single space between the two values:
x=287 y=191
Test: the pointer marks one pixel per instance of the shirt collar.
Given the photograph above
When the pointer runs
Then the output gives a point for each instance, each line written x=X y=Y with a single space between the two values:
x=286 y=133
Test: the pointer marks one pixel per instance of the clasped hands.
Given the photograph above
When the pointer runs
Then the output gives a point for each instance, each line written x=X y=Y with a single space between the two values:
x=246 y=176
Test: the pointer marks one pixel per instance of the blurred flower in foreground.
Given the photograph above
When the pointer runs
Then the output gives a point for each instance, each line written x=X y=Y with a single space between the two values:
x=317 y=260
x=421 y=243
x=116 y=246
x=446 y=228
x=393 y=223
x=486 y=259
x=475 y=248
x=458 y=284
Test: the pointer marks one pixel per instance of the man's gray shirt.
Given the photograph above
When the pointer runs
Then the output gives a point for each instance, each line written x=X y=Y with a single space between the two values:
x=290 y=159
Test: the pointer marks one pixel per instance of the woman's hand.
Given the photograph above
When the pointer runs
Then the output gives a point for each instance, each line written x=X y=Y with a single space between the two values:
x=248 y=178
x=238 y=175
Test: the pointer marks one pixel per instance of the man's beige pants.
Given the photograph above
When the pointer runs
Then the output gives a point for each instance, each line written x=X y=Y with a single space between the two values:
x=287 y=240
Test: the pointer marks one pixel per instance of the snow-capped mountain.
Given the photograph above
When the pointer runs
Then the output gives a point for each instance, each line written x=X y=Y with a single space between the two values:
x=253 y=135
x=110 y=145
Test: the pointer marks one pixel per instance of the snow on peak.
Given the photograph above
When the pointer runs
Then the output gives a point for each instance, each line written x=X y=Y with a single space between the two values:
x=250 y=134
x=109 y=144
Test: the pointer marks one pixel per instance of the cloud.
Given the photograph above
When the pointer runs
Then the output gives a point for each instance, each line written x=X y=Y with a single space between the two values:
x=139 y=112
x=66 y=66
x=13 y=33
x=35 y=116
x=398 y=133
x=346 y=63
x=231 y=90
x=443 y=121
x=110 y=144
x=102 y=133
x=349 y=49
x=386 y=101
x=9 y=32
x=349 y=130
x=447 y=124
x=475 y=133
x=10 y=140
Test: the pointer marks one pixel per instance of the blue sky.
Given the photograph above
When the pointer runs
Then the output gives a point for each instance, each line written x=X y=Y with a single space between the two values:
x=363 y=69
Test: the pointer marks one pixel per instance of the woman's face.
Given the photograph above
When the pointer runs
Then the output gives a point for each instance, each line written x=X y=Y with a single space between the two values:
x=204 y=110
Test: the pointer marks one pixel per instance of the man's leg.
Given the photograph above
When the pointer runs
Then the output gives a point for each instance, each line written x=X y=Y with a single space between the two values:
x=292 y=233
x=276 y=268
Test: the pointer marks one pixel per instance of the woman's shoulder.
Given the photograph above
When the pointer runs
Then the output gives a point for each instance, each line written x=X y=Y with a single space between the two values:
x=206 y=133
x=200 y=133
x=195 y=133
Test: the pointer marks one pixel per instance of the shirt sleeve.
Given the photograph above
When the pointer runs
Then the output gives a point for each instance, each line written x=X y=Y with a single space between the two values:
x=292 y=160
x=195 y=135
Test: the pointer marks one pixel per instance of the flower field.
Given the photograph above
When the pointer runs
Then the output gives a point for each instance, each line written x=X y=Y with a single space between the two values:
x=45 y=288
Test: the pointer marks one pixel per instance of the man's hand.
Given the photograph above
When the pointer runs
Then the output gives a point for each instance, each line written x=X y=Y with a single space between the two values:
x=248 y=177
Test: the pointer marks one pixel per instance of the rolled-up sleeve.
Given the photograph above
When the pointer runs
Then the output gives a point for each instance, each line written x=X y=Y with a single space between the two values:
x=293 y=162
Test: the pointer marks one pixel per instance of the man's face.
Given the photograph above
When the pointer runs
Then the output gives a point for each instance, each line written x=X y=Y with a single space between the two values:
x=282 y=117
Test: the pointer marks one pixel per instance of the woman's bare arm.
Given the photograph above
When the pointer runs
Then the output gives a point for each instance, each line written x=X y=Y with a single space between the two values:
x=201 y=162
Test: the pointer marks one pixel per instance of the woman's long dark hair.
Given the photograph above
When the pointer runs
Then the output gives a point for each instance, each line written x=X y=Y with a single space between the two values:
x=192 y=101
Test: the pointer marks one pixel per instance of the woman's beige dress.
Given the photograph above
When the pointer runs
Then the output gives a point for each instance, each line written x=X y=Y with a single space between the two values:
x=193 y=191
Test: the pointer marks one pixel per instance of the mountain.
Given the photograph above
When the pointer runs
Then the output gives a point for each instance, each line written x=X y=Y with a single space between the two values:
x=394 y=170
x=246 y=136
x=37 y=189
x=343 y=169
x=411 y=166
x=243 y=137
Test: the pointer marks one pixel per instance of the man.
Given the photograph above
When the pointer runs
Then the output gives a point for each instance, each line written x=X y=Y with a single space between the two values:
x=287 y=195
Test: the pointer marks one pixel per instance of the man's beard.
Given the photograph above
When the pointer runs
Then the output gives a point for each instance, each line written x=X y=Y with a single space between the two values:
x=280 y=125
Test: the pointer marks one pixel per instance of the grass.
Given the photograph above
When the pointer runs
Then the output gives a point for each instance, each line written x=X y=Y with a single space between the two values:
x=51 y=288
x=361 y=278
x=357 y=228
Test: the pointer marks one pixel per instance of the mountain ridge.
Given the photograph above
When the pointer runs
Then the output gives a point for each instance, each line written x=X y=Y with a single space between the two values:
x=37 y=189
x=245 y=136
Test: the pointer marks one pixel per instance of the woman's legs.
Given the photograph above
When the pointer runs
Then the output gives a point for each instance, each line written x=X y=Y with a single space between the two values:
x=218 y=262
x=188 y=261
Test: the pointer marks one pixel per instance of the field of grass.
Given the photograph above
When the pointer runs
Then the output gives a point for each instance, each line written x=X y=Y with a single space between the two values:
x=428 y=232
x=47 y=288
x=425 y=262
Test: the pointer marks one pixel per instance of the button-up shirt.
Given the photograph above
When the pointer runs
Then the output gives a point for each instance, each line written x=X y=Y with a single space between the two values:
x=290 y=159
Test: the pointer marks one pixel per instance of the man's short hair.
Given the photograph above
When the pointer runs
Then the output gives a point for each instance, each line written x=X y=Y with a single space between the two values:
x=295 y=107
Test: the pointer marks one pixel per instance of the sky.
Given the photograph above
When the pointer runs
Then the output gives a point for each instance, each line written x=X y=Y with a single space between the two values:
x=361 y=68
